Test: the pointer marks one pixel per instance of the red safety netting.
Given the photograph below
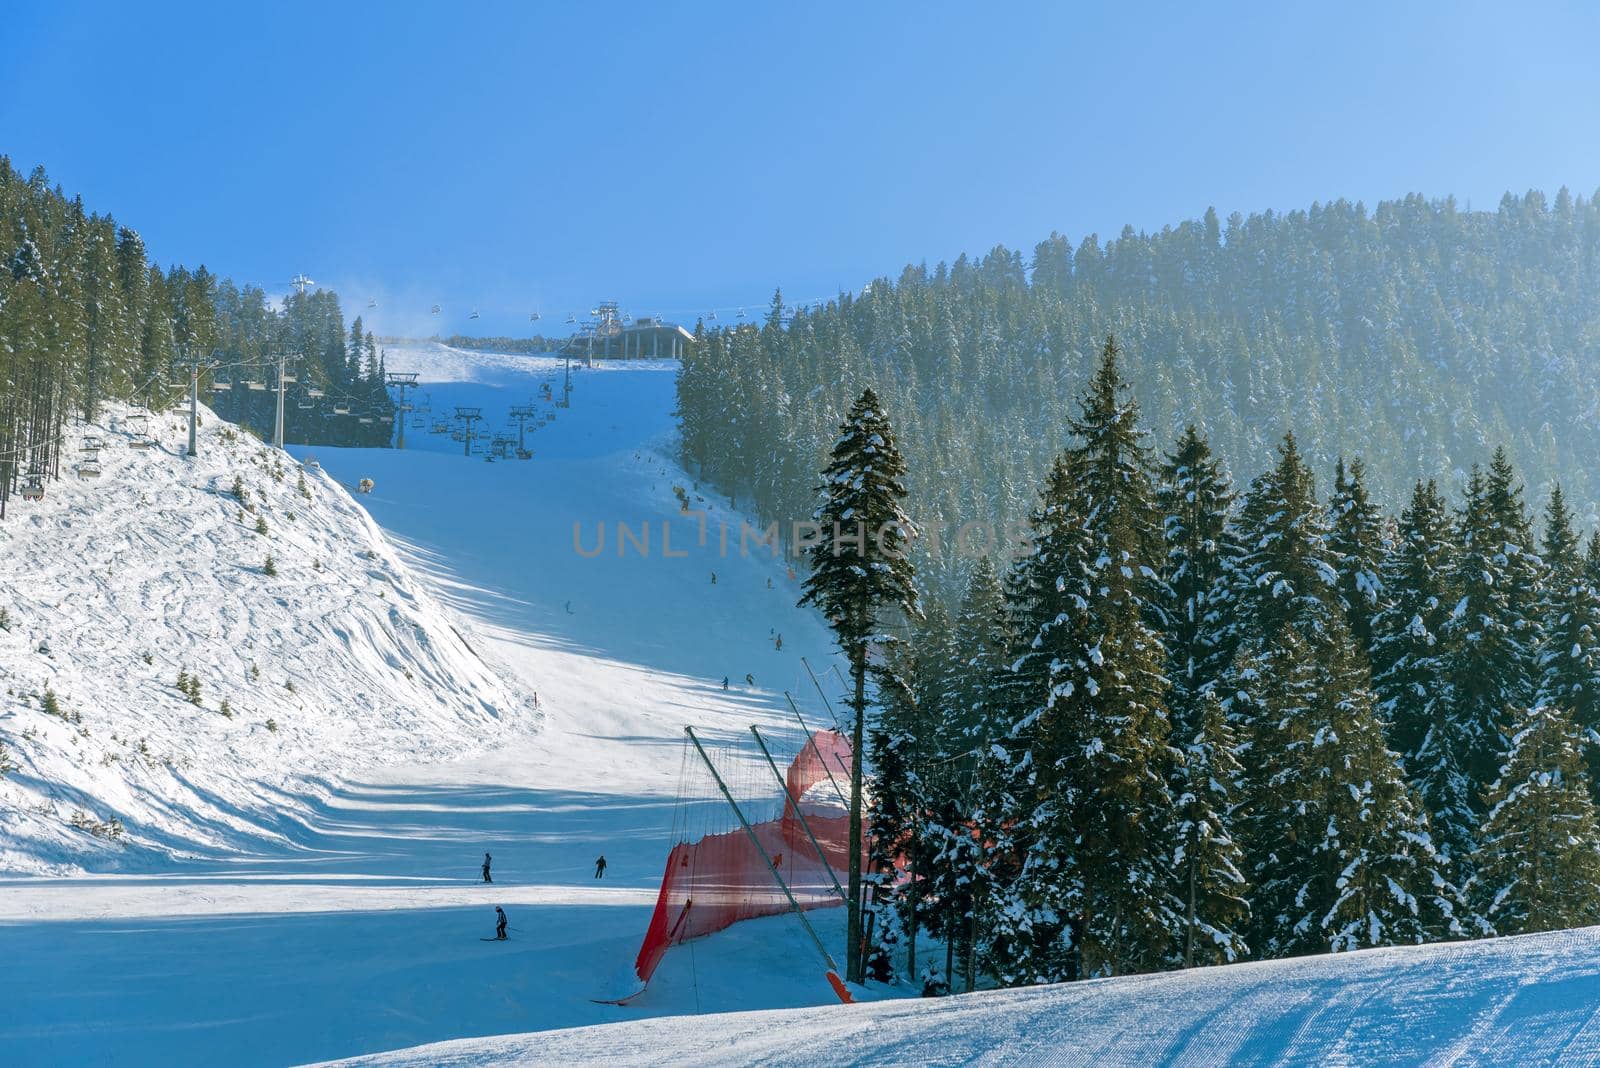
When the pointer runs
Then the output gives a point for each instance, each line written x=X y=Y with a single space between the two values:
x=720 y=879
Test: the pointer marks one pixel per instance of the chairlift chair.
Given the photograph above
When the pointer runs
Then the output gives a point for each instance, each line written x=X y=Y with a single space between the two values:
x=341 y=409
x=313 y=391
x=221 y=385
x=474 y=314
x=435 y=310
x=364 y=419
x=533 y=318
x=33 y=488
x=372 y=304
x=258 y=387
x=89 y=467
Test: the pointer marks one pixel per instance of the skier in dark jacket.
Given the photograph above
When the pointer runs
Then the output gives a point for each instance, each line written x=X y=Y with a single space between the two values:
x=499 y=922
x=486 y=859
x=600 y=866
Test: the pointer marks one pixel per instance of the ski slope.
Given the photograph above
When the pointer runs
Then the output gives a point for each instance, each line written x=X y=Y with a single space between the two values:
x=1533 y=1000
x=354 y=926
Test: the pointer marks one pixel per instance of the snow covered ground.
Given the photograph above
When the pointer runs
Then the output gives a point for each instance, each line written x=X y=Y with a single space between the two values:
x=1533 y=1000
x=116 y=585
x=343 y=914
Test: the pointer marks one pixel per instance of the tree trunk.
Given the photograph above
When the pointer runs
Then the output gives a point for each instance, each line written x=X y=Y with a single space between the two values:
x=1188 y=923
x=855 y=950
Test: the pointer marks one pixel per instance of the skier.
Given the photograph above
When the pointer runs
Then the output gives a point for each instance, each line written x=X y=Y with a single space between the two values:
x=499 y=923
x=600 y=866
x=486 y=859
x=724 y=684
x=749 y=679
x=713 y=578
x=569 y=608
x=777 y=644
x=769 y=583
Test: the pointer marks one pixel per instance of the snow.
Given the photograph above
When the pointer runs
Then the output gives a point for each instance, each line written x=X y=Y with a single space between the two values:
x=323 y=899
x=1527 y=1000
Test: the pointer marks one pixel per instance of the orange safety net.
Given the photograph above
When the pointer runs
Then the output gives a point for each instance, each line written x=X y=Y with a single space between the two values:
x=715 y=882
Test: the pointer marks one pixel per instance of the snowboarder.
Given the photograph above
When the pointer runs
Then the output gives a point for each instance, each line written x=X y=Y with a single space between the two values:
x=499 y=923
x=600 y=866
x=777 y=644
x=749 y=679
x=713 y=578
x=569 y=608
x=486 y=861
x=724 y=684
x=769 y=583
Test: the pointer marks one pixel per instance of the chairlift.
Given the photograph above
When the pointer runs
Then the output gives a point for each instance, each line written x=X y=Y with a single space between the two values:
x=89 y=467
x=364 y=419
x=221 y=385
x=741 y=313
x=313 y=392
x=372 y=304
x=711 y=316
x=386 y=419
x=435 y=310
x=474 y=314
x=33 y=488
x=310 y=463
x=533 y=318
x=92 y=443
x=571 y=318
x=341 y=409
x=306 y=404
x=289 y=376
x=258 y=387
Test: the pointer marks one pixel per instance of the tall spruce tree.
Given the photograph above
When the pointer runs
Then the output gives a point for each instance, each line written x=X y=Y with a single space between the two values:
x=1194 y=498
x=1493 y=630
x=1411 y=665
x=1208 y=862
x=1540 y=868
x=861 y=579
x=1569 y=661
x=1101 y=747
x=1356 y=538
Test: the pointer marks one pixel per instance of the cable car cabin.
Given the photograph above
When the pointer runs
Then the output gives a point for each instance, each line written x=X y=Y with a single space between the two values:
x=33 y=488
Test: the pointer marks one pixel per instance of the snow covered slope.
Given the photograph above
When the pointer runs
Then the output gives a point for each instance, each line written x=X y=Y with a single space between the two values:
x=1533 y=1000
x=359 y=931
x=115 y=586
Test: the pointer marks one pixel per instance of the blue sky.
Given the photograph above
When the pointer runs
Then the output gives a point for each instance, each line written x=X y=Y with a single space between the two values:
x=679 y=156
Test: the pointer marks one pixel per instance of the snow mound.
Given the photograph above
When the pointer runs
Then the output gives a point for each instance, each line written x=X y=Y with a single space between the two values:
x=1528 y=1000
x=114 y=586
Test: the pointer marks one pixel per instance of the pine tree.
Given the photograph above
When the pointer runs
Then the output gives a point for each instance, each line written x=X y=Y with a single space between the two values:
x=1093 y=881
x=1195 y=499
x=860 y=578
x=1207 y=861
x=1540 y=867
x=1357 y=541
x=1569 y=661
x=1411 y=662
x=1492 y=630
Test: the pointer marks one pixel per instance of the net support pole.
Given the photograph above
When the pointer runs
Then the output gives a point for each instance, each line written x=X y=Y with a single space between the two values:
x=761 y=849
x=825 y=702
x=812 y=739
x=795 y=801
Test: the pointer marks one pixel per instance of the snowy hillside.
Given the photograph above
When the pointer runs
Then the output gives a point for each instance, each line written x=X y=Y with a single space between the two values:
x=360 y=930
x=1533 y=1000
x=115 y=586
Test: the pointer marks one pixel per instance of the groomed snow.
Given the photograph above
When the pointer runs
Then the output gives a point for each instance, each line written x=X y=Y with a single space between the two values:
x=1533 y=1000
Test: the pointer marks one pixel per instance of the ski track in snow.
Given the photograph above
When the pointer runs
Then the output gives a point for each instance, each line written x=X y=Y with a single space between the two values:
x=314 y=892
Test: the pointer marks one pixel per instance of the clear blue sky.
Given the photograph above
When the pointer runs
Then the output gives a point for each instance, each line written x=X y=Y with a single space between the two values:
x=679 y=156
